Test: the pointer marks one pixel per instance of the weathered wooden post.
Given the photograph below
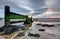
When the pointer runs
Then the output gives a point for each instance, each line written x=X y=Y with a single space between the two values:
x=7 y=18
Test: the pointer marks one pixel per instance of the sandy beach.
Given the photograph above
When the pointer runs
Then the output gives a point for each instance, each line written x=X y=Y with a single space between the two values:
x=49 y=33
x=2 y=23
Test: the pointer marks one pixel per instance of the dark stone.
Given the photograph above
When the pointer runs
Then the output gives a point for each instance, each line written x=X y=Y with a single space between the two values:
x=50 y=26
x=46 y=25
x=22 y=27
x=1 y=30
x=38 y=24
x=30 y=34
x=27 y=22
x=34 y=35
x=41 y=29
x=21 y=34
x=10 y=29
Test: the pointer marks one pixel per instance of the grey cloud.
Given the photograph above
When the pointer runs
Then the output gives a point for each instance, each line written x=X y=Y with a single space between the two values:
x=13 y=6
x=52 y=3
x=37 y=4
x=39 y=11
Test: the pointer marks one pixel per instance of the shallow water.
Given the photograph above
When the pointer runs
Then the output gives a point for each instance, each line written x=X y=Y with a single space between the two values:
x=49 y=33
x=2 y=23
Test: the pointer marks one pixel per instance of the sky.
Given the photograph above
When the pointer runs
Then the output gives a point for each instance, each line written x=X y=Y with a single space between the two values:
x=34 y=8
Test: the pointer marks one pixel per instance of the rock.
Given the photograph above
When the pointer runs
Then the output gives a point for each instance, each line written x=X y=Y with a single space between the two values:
x=22 y=27
x=46 y=25
x=30 y=34
x=38 y=24
x=1 y=30
x=10 y=29
x=21 y=34
x=34 y=35
x=41 y=30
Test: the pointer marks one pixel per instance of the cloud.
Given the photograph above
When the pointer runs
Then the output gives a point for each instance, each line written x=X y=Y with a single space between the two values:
x=25 y=6
x=14 y=6
x=1 y=14
x=39 y=11
x=37 y=4
x=53 y=9
x=52 y=3
x=32 y=7
x=49 y=13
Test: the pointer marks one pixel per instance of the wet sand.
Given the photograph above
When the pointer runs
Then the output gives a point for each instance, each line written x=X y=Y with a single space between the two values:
x=2 y=23
x=49 y=33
